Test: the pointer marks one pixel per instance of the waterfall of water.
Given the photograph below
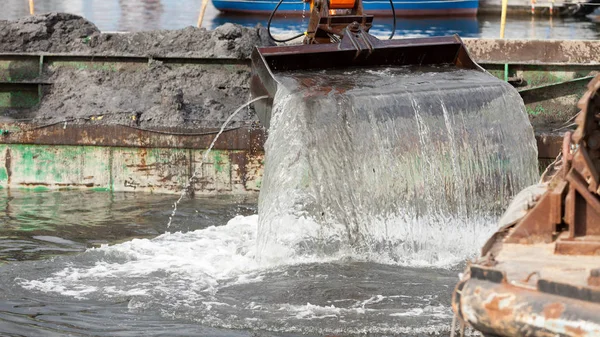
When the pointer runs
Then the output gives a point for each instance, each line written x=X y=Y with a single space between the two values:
x=407 y=165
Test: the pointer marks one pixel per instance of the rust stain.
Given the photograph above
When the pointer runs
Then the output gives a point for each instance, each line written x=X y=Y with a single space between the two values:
x=33 y=184
x=553 y=310
x=166 y=178
x=244 y=138
x=7 y=165
x=143 y=153
x=594 y=279
x=496 y=311
x=74 y=184
x=240 y=162
x=578 y=331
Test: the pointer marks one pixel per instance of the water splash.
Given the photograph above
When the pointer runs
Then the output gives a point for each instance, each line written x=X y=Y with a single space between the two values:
x=205 y=157
x=400 y=165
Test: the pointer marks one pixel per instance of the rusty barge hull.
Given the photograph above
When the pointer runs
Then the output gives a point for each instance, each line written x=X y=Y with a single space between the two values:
x=121 y=158
x=550 y=75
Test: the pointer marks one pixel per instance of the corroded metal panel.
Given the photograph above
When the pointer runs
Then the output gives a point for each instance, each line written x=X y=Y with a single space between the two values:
x=133 y=169
x=247 y=170
x=16 y=68
x=149 y=170
x=91 y=134
x=506 y=310
x=503 y=51
x=54 y=167
x=212 y=172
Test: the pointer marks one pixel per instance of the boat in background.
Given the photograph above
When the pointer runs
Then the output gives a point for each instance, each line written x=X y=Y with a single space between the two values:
x=464 y=26
x=375 y=7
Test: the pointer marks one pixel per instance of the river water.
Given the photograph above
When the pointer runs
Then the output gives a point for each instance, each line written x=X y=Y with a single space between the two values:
x=135 y=15
x=102 y=264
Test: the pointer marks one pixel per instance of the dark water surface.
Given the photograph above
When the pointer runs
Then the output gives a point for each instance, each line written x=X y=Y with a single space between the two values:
x=196 y=280
x=38 y=225
x=136 y=15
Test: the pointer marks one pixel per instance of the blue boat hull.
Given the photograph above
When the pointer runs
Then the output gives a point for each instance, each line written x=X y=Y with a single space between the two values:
x=375 y=7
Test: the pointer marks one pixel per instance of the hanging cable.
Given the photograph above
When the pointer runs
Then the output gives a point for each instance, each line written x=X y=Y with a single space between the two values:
x=269 y=26
x=394 y=15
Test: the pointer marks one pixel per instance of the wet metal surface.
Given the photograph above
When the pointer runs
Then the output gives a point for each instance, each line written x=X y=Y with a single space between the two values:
x=355 y=49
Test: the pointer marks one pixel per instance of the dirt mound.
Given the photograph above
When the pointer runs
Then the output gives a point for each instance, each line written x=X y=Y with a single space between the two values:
x=157 y=95
x=68 y=33
x=144 y=95
x=229 y=40
x=52 y=32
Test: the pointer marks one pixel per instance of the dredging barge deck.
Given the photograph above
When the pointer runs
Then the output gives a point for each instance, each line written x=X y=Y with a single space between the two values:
x=92 y=153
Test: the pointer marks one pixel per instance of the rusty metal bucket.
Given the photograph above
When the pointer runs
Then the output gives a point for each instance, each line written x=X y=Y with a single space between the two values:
x=356 y=49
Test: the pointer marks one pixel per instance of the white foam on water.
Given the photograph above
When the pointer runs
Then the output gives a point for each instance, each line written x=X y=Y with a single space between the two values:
x=438 y=311
x=216 y=257
x=196 y=260
x=182 y=274
x=310 y=311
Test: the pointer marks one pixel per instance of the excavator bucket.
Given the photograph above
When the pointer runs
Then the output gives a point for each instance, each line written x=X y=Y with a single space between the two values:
x=356 y=49
x=336 y=40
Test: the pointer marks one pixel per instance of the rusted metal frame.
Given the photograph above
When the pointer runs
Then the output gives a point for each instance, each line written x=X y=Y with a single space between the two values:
x=322 y=25
x=229 y=61
x=538 y=66
x=549 y=145
x=245 y=138
x=582 y=211
x=26 y=94
x=540 y=223
x=21 y=85
x=588 y=293
x=520 y=51
x=565 y=218
x=579 y=178
x=549 y=67
x=50 y=58
x=544 y=92
x=493 y=305
x=507 y=310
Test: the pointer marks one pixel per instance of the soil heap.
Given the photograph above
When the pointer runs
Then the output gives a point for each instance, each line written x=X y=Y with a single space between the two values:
x=165 y=95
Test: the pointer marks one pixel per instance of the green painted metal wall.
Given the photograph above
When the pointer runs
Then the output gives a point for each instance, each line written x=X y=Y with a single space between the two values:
x=153 y=170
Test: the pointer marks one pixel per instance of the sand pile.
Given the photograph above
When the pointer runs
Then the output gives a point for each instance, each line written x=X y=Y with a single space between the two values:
x=149 y=96
x=68 y=33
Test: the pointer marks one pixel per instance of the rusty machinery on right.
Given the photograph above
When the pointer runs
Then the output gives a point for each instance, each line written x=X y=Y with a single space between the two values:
x=539 y=274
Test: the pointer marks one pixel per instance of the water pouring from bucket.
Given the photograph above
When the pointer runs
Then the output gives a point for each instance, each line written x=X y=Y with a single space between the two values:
x=383 y=150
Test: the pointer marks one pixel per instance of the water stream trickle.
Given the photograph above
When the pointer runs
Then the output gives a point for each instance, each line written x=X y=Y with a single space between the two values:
x=205 y=156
